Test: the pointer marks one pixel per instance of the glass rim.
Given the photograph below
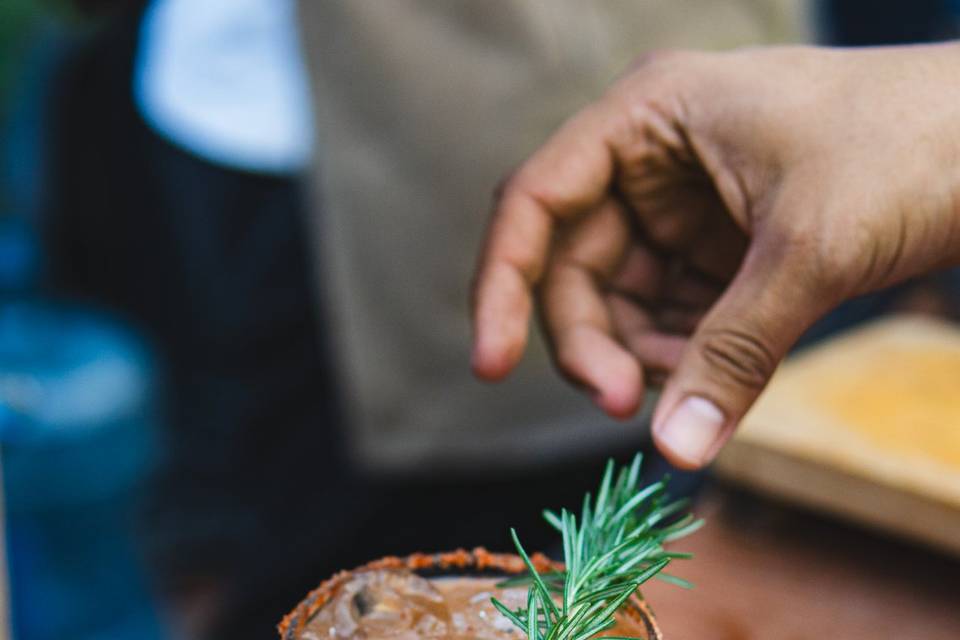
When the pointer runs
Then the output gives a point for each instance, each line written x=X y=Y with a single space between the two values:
x=474 y=563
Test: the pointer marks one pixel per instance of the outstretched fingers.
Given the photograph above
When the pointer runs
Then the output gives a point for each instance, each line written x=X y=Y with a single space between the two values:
x=569 y=176
x=577 y=316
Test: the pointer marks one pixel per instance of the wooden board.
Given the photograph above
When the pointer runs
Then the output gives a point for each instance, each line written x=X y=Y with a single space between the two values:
x=866 y=425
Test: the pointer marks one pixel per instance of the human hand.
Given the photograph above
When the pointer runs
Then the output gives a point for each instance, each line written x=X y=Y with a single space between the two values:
x=695 y=220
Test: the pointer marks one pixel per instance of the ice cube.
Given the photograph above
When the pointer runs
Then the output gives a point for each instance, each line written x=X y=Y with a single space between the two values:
x=385 y=604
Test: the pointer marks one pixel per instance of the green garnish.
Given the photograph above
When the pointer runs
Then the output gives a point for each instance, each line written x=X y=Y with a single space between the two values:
x=617 y=546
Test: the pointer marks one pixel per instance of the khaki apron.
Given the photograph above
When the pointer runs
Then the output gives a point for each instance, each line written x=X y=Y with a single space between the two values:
x=421 y=107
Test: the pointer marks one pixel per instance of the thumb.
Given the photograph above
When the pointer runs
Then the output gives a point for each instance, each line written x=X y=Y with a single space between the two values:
x=733 y=354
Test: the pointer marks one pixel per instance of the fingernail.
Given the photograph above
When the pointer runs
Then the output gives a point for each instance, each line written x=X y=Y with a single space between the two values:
x=692 y=429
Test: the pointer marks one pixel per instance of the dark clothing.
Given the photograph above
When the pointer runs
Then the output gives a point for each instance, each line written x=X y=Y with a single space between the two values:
x=211 y=265
x=886 y=22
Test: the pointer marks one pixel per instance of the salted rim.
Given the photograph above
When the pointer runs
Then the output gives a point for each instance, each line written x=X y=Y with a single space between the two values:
x=478 y=559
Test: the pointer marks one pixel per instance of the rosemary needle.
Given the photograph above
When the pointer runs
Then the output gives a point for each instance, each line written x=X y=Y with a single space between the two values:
x=616 y=547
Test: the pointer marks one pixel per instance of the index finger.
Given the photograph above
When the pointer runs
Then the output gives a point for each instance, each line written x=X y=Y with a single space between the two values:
x=567 y=176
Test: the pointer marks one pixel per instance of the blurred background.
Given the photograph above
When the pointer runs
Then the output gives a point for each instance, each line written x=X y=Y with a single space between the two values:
x=235 y=245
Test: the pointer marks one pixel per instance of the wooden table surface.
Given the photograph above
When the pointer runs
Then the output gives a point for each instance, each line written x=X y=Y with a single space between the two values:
x=767 y=571
x=864 y=425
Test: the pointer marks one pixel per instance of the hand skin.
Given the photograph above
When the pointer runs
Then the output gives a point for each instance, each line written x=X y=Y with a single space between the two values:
x=696 y=219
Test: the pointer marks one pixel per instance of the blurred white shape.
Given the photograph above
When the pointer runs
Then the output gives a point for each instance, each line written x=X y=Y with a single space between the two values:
x=225 y=80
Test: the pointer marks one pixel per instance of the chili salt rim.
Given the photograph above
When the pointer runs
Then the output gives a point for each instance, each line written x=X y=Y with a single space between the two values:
x=478 y=559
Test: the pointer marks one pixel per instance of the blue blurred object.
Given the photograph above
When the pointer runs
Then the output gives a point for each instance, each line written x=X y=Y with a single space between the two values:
x=77 y=446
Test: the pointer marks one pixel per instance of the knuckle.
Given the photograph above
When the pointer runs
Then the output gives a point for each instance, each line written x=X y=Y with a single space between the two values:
x=656 y=57
x=828 y=271
x=819 y=260
x=834 y=265
x=738 y=357
x=666 y=69
x=506 y=184
x=850 y=261
x=520 y=184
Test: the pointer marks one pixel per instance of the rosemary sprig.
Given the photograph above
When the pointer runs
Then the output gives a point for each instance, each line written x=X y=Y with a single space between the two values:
x=617 y=546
